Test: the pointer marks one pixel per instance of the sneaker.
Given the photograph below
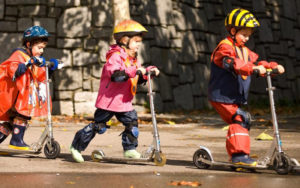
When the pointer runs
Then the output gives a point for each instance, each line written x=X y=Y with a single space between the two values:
x=132 y=154
x=76 y=155
x=243 y=159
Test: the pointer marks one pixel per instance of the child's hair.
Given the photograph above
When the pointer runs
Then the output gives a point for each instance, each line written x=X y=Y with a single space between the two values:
x=35 y=41
x=240 y=18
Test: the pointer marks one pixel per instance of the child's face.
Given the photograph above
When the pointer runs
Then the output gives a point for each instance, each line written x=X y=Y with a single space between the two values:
x=135 y=43
x=38 y=48
x=243 y=35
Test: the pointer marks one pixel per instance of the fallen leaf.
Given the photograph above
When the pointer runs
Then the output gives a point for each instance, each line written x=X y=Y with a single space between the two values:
x=70 y=182
x=171 y=122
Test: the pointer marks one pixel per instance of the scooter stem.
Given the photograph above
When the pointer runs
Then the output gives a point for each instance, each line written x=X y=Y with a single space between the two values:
x=49 y=121
x=155 y=132
x=273 y=113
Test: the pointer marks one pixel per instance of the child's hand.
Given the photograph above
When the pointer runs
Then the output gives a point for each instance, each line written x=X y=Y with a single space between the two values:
x=142 y=69
x=280 y=69
x=261 y=69
x=155 y=70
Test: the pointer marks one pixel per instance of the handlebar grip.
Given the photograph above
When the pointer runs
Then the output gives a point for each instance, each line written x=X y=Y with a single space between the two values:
x=256 y=72
x=151 y=72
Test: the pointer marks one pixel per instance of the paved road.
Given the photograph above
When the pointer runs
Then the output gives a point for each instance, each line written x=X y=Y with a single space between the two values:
x=178 y=142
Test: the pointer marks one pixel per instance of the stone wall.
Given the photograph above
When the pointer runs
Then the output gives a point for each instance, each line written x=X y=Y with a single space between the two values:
x=182 y=35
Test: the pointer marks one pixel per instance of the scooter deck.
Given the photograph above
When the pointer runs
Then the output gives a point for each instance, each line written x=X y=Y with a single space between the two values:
x=121 y=159
x=17 y=152
x=218 y=163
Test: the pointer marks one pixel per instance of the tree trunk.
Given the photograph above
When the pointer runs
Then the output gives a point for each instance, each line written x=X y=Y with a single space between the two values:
x=120 y=11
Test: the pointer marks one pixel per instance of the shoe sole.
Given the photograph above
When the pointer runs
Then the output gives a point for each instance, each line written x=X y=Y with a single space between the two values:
x=246 y=164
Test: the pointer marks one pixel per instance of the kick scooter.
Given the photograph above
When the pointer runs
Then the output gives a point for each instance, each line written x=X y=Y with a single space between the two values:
x=51 y=147
x=153 y=153
x=274 y=159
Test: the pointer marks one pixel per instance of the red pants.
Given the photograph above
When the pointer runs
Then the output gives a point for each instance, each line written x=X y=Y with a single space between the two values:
x=238 y=140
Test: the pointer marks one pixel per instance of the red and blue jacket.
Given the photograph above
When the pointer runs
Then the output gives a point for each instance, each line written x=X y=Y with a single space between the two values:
x=231 y=67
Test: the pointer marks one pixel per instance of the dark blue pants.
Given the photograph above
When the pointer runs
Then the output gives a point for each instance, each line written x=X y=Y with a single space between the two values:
x=129 y=136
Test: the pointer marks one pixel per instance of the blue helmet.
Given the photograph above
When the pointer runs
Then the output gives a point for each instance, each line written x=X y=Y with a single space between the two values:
x=35 y=32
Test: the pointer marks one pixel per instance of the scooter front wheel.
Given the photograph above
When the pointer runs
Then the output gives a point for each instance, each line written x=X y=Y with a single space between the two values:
x=201 y=154
x=160 y=160
x=282 y=166
x=52 y=154
x=97 y=155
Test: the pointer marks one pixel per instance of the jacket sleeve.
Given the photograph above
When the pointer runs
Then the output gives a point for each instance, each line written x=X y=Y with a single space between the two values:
x=116 y=63
x=238 y=66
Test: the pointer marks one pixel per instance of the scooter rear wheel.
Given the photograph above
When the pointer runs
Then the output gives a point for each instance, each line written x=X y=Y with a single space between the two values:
x=283 y=166
x=161 y=161
x=54 y=152
x=97 y=155
x=201 y=153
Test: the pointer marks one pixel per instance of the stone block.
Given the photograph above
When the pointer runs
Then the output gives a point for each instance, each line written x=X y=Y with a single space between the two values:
x=161 y=38
x=297 y=38
x=68 y=79
x=259 y=6
x=9 y=11
x=95 y=84
x=265 y=31
x=62 y=108
x=48 y=23
x=66 y=25
x=69 y=43
x=24 y=23
x=290 y=9
x=211 y=41
x=37 y=10
x=165 y=87
x=140 y=99
x=8 y=26
x=63 y=55
x=143 y=53
x=202 y=75
x=63 y=95
x=102 y=33
x=165 y=59
x=185 y=74
x=287 y=29
x=27 y=2
x=83 y=58
x=9 y=41
x=85 y=96
x=179 y=20
x=102 y=13
x=103 y=48
x=2 y=6
x=85 y=108
x=96 y=70
x=67 y=3
x=195 y=19
x=189 y=52
x=163 y=12
x=90 y=44
x=87 y=85
x=54 y=12
x=158 y=103
x=183 y=97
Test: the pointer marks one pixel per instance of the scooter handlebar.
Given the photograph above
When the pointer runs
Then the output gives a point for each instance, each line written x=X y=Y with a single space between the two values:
x=270 y=71
x=52 y=64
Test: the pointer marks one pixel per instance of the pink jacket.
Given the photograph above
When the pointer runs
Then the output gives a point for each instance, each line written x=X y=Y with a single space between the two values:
x=116 y=96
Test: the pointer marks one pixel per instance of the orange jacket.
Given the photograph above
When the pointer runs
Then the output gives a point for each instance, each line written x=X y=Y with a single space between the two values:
x=26 y=94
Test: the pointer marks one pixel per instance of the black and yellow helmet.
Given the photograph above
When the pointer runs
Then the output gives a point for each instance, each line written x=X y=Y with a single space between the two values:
x=241 y=18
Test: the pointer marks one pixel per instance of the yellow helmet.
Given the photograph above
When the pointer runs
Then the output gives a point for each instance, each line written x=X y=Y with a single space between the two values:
x=128 y=28
x=241 y=18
